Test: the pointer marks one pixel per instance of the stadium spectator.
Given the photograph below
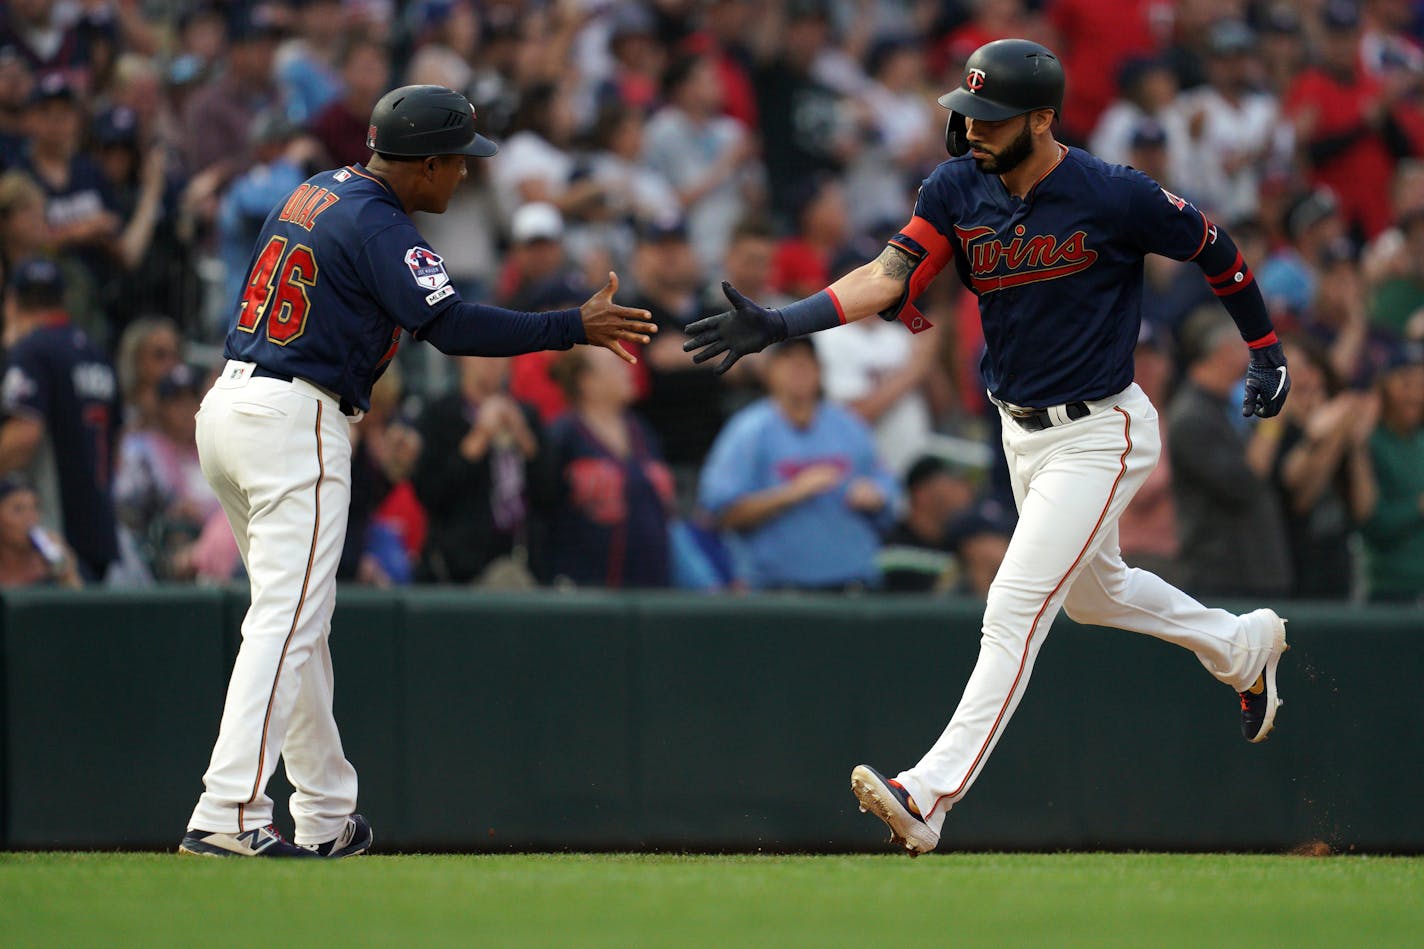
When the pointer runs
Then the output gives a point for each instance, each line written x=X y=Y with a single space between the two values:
x=534 y=163
x=1148 y=91
x=16 y=85
x=218 y=117
x=1394 y=533
x=918 y=552
x=1288 y=277
x=708 y=157
x=979 y=538
x=803 y=259
x=78 y=205
x=536 y=254
x=62 y=400
x=148 y=350
x=1351 y=126
x=1282 y=52
x=1397 y=303
x=682 y=402
x=1233 y=130
x=37 y=30
x=1095 y=38
x=29 y=554
x=637 y=59
x=725 y=29
x=161 y=499
x=387 y=525
x=795 y=483
x=481 y=447
x=341 y=125
x=633 y=190
x=1322 y=472
x=1147 y=530
x=1220 y=475
x=805 y=129
x=606 y=491
x=904 y=140
x=308 y=66
x=149 y=256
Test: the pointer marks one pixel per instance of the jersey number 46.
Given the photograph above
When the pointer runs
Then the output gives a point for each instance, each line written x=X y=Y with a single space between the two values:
x=277 y=289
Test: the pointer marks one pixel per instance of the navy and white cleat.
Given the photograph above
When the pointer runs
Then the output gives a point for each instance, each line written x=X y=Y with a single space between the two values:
x=355 y=839
x=1260 y=702
x=259 y=842
x=889 y=801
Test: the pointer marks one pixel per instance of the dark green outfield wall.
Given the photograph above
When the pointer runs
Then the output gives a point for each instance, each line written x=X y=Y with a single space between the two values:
x=573 y=721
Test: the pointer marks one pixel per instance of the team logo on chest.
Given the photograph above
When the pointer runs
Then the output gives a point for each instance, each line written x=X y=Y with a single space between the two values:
x=427 y=267
x=996 y=264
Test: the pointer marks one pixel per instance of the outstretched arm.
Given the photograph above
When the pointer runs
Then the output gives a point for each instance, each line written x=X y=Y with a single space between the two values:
x=749 y=328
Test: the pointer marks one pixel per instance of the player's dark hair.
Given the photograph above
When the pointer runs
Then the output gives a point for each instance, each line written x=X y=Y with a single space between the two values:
x=753 y=227
x=397 y=159
x=566 y=369
x=678 y=73
x=352 y=43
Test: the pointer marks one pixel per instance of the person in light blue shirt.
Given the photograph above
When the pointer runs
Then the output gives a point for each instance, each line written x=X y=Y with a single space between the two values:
x=795 y=483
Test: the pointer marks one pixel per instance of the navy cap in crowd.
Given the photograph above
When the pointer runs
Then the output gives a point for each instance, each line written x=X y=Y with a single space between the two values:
x=1149 y=133
x=1402 y=355
x=182 y=379
x=668 y=227
x=53 y=87
x=986 y=517
x=1341 y=14
x=927 y=466
x=1231 y=38
x=38 y=278
x=116 y=126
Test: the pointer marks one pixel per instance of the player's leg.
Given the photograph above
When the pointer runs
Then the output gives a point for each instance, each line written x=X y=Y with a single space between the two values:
x=289 y=455
x=324 y=782
x=1110 y=593
x=1072 y=483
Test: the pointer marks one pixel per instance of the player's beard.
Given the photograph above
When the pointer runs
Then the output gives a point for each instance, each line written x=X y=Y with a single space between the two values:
x=1014 y=154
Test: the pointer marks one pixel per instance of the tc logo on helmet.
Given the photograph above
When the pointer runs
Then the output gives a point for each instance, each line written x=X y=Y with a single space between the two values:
x=975 y=80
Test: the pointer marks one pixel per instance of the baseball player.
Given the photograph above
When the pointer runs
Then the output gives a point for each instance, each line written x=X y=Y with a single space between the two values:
x=339 y=271
x=1052 y=241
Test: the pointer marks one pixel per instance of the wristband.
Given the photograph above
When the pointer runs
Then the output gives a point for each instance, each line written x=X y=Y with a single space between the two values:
x=819 y=311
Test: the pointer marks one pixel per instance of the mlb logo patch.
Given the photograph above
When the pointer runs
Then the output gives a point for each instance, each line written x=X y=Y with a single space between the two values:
x=371 y=137
x=427 y=267
x=342 y=175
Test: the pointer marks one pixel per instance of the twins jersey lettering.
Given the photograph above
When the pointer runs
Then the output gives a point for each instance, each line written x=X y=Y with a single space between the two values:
x=1073 y=249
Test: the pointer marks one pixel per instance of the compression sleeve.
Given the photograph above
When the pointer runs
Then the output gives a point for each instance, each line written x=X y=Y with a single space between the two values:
x=1231 y=279
x=474 y=329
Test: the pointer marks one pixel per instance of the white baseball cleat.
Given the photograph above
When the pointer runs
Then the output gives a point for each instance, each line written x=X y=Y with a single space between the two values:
x=889 y=801
x=1260 y=702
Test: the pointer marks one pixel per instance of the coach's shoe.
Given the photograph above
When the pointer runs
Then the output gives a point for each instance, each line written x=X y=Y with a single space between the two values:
x=355 y=839
x=1260 y=702
x=889 y=801
x=259 y=842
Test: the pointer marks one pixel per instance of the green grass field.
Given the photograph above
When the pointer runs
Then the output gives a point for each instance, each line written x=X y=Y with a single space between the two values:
x=618 y=900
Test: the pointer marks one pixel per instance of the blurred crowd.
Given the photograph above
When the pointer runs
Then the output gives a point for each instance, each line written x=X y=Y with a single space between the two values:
x=774 y=144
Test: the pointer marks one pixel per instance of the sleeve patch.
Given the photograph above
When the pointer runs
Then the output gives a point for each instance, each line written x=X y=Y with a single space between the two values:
x=1179 y=203
x=438 y=295
x=427 y=267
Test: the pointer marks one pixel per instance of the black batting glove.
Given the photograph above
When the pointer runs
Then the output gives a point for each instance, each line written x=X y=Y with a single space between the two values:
x=1267 y=382
x=746 y=328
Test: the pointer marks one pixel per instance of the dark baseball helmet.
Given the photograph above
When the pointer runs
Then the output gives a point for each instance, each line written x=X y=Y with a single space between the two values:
x=416 y=121
x=1002 y=79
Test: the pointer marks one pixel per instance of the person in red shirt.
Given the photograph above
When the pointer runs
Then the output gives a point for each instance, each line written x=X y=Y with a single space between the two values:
x=341 y=127
x=1349 y=124
x=1097 y=37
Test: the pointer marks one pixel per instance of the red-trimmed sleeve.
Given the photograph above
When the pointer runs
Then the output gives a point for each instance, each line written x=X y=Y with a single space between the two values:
x=929 y=251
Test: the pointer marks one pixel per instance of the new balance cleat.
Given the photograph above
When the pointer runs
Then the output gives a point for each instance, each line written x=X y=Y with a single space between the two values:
x=888 y=800
x=355 y=839
x=259 y=842
x=1260 y=702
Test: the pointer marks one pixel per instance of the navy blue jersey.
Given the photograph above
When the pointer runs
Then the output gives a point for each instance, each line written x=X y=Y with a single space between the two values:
x=58 y=377
x=1058 y=274
x=338 y=271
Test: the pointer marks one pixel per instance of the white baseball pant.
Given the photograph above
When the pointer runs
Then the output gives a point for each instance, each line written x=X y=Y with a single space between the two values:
x=278 y=454
x=1071 y=483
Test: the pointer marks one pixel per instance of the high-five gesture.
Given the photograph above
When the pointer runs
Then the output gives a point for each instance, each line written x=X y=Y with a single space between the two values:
x=746 y=328
x=605 y=322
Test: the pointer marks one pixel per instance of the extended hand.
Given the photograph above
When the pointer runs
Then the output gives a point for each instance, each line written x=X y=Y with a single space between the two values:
x=746 y=328
x=605 y=322
x=1267 y=382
